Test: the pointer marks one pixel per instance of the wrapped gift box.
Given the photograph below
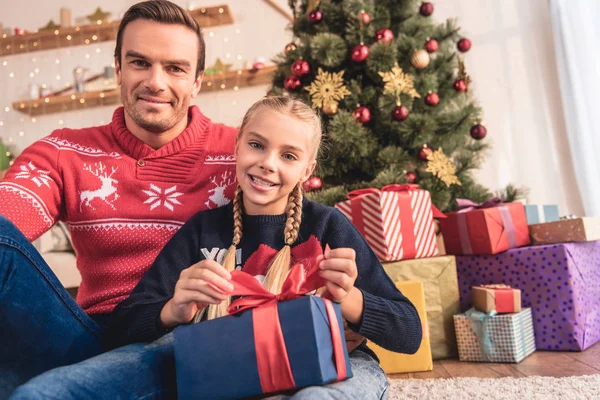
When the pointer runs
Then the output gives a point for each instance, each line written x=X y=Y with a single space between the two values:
x=275 y=347
x=485 y=230
x=561 y=284
x=440 y=285
x=498 y=298
x=585 y=229
x=505 y=338
x=397 y=221
x=537 y=214
x=394 y=363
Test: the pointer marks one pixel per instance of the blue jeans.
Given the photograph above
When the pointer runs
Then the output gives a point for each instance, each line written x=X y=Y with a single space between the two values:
x=41 y=326
x=147 y=371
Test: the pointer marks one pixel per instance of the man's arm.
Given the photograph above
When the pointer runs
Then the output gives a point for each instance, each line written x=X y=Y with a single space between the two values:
x=31 y=190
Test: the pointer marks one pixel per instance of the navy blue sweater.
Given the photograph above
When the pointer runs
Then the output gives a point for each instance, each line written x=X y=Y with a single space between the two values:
x=389 y=319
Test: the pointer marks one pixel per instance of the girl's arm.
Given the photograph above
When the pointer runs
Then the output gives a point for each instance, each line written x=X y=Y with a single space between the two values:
x=375 y=308
x=137 y=318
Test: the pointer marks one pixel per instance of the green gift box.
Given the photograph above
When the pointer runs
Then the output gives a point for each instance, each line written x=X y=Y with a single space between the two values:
x=491 y=337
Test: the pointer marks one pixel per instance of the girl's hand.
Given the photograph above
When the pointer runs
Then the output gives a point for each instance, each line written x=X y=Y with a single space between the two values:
x=204 y=283
x=339 y=272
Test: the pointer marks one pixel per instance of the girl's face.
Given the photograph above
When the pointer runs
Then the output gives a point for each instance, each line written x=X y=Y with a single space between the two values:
x=274 y=153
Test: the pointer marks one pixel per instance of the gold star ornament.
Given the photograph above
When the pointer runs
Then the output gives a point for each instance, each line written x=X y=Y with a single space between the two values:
x=98 y=15
x=441 y=166
x=397 y=82
x=327 y=88
x=219 y=67
x=50 y=26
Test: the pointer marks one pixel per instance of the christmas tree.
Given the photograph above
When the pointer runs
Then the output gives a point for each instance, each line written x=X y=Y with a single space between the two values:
x=394 y=94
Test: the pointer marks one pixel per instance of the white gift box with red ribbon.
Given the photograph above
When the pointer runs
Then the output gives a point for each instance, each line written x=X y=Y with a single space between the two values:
x=396 y=221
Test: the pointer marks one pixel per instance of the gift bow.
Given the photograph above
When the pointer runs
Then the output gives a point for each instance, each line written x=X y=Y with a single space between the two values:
x=496 y=286
x=387 y=188
x=465 y=205
x=274 y=370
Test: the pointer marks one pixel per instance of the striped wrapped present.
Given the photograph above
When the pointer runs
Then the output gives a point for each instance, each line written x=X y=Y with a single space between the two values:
x=506 y=338
x=396 y=221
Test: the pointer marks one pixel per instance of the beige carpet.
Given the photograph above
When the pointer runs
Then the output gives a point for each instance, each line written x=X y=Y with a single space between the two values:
x=534 y=387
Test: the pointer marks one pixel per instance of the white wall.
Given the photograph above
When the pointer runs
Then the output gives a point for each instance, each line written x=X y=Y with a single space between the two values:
x=512 y=65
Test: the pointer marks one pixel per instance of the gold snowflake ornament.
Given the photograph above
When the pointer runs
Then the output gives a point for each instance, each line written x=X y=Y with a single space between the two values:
x=441 y=166
x=327 y=88
x=397 y=82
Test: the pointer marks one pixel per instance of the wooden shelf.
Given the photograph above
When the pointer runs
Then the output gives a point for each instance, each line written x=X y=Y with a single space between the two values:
x=233 y=80
x=95 y=33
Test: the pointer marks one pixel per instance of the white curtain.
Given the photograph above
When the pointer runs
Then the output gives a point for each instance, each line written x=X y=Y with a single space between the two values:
x=577 y=39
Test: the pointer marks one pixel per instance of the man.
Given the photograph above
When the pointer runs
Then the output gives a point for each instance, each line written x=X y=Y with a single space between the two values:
x=124 y=189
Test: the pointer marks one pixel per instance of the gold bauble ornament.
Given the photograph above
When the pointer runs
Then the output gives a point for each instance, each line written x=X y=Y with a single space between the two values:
x=420 y=59
x=330 y=108
x=290 y=47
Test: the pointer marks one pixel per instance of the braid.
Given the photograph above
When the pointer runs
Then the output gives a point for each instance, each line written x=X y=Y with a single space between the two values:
x=220 y=310
x=237 y=216
x=294 y=213
x=281 y=263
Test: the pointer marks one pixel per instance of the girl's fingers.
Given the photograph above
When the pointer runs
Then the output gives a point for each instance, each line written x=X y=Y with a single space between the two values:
x=216 y=280
x=342 y=252
x=339 y=264
x=340 y=279
x=203 y=287
x=185 y=296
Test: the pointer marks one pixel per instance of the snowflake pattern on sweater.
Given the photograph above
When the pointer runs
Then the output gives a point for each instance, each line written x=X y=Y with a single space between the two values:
x=121 y=199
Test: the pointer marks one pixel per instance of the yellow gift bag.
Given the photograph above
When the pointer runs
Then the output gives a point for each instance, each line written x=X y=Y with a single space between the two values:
x=393 y=363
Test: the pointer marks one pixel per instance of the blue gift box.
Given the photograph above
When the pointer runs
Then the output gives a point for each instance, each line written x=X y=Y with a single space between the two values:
x=217 y=359
x=537 y=214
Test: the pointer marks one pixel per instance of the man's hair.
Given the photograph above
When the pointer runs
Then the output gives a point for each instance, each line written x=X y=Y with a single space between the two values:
x=164 y=12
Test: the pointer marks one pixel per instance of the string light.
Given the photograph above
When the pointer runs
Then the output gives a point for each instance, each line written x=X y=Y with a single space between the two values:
x=37 y=70
x=4 y=63
x=60 y=122
x=12 y=75
x=57 y=61
x=6 y=109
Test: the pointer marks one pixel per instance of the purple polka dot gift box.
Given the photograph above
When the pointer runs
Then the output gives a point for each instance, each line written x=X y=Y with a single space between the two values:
x=560 y=282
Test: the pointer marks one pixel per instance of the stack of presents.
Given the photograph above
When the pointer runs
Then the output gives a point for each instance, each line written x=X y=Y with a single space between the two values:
x=523 y=278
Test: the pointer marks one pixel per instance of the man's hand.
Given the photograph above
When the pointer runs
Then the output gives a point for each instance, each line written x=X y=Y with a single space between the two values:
x=353 y=339
x=204 y=283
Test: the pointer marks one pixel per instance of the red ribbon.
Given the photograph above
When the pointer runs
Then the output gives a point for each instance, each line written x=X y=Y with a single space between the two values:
x=272 y=359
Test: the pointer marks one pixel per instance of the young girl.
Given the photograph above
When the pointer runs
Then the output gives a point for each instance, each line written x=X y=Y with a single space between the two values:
x=267 y=228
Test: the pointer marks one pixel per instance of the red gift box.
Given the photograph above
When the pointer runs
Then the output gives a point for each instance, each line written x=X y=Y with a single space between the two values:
x=396 y=221
x=487 y=228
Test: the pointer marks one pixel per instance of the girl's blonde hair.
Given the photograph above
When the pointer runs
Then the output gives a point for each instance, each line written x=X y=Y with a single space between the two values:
x=280 y=265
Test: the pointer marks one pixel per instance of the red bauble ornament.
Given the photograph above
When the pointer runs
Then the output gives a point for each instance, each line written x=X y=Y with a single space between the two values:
x=400 y=113
x=292 y=82
x=426 y=9
x=366 y=18
x=460 y=86
x=411 y=177
x=424 y=152
x=464 y=45
x=431 y=45
x=300 y=67
x=315 y=17
x=313 y=183
x=432 y=99
x=478 y=131
x=360 y=52
x=362 y=114
x=384 y=34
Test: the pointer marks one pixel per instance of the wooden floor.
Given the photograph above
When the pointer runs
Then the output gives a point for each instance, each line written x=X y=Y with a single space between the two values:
x=541 y=363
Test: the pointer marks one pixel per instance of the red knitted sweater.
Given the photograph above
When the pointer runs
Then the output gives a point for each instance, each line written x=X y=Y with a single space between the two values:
x=122 y=199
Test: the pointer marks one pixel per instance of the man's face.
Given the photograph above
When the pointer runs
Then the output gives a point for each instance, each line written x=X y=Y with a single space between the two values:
x=158 y=74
